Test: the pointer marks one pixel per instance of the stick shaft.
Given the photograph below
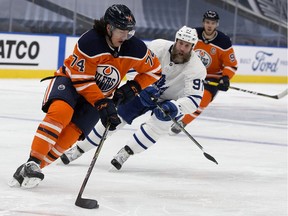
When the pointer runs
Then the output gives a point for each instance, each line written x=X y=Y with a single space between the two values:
x=282 y=94
x=91 y=166
x=208 y=156
x=187 y=133
x=180 y=126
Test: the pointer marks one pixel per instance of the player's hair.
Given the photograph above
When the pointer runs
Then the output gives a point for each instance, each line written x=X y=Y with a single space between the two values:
x=100 y=26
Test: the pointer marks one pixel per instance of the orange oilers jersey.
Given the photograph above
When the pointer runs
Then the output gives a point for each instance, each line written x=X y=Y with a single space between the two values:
x=96 y=69
x=216 y=54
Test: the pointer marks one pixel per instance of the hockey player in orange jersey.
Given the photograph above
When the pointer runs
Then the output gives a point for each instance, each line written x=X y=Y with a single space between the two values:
x=216 y=52
x=85 y=89
x=179 y=91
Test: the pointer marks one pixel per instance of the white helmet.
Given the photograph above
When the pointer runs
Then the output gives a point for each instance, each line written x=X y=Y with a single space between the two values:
x=187 y=34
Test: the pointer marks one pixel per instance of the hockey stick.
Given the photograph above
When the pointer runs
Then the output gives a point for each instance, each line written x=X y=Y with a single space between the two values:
x=208 y=156
x=278 y=96
x=84 y=202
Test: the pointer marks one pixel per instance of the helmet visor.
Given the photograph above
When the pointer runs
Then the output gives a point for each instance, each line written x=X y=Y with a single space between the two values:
x=123 y=33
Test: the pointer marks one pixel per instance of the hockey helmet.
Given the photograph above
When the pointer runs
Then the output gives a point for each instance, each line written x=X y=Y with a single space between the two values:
x=211 y=15
x=120 y=16
x=187 y=34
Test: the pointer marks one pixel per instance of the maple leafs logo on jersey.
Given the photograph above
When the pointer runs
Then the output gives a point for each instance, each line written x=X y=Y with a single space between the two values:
x=161 y=84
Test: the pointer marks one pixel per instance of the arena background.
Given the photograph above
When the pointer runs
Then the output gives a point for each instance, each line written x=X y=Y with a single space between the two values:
x=257 y=28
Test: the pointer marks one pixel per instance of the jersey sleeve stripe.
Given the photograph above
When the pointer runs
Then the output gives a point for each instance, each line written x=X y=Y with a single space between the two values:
x=191 y=97
x=81 y=88
x=77 y=76
x=155 y=73
x=233 y=69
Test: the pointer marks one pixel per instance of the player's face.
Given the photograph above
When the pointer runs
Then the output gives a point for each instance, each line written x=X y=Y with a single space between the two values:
x=118 y=36
x=181 y=52
x=209 y=26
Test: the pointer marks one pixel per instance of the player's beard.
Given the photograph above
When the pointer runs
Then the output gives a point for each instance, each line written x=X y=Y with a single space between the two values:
x=178 y=58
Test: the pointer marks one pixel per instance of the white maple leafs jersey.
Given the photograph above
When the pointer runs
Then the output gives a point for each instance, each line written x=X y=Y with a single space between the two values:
x=180 y=82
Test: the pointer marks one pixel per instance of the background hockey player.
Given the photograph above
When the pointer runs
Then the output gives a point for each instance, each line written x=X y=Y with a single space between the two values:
x=179 y=91
x=78 y=94
x=216 y=52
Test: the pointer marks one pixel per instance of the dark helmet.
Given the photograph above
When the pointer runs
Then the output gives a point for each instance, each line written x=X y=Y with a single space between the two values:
x=120 y=16
x=211 y=15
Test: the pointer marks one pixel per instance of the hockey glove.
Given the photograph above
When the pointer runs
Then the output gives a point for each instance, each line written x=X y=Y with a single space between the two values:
x=149 y=95
x=126 y=92
x=224 y=83
x=170 y=108
x=108 y=113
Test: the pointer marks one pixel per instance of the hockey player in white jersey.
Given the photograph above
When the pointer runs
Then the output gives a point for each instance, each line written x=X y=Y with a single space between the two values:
x=178 y=92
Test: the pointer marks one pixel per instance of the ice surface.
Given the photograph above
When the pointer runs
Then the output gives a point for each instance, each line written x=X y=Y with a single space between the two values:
x=246 y=134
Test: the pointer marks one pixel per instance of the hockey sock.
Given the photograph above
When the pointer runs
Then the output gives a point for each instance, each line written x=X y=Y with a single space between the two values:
x=67 y=138
x=94 y=137
x=36 y=160
x=57 y=117
x=143 y=138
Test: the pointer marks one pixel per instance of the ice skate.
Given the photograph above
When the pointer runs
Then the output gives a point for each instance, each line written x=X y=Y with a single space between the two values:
x=121 y=157
x=28 y=175
x=18 y=178
x=71 y=155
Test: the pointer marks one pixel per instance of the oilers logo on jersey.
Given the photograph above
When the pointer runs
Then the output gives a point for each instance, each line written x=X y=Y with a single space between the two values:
x=61 y=87
x=204 y=56
x=107 y=77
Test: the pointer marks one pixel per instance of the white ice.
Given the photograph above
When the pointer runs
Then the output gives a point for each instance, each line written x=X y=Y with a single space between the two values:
x=245 y=133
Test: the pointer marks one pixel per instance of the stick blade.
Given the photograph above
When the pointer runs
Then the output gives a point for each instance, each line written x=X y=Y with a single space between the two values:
x=209 y=157
x=282 y=94
x=86 y=203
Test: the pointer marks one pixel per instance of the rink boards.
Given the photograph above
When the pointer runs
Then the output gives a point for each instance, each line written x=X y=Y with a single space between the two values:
x=38 y=56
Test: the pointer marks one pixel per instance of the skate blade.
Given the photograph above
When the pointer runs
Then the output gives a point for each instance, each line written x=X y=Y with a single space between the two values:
x=59 y=162
x=13 y=183
x=30 y=182
x=112 y=169
x=172 y=133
